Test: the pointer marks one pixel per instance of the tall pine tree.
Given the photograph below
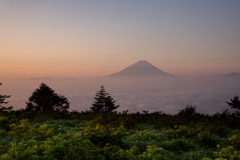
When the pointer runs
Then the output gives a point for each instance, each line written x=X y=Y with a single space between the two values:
x=2 y=101
x=103 y=103
x=235 y=103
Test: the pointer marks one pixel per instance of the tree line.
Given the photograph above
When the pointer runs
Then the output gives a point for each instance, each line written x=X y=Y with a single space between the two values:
x=45 y=99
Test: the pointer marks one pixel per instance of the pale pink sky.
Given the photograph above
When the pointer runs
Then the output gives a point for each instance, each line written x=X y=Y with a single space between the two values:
x=62 y=39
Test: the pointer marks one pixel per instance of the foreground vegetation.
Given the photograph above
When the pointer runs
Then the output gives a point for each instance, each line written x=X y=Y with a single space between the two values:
x=84 y=135
x=46 y=130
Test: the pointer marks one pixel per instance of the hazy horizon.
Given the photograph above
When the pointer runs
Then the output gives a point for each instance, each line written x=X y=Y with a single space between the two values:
x=168 y=95
x=128 y=68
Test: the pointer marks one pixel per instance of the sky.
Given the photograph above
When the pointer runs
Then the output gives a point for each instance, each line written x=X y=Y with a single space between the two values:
x=82 y=39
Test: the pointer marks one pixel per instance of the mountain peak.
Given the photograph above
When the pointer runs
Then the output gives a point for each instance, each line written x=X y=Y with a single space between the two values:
x=141 y=68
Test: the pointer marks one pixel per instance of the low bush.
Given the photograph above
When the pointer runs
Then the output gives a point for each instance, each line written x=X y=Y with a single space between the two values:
x=118 y=136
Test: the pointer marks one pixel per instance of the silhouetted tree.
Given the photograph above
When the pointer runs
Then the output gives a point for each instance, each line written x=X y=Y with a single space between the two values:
x=103 y=103
x=235 y=103
x=2 y=101
x=44 y=99
x=189 y=110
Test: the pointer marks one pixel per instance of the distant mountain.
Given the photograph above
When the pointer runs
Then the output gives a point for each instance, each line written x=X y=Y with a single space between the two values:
x=48 y=78
x=141 y=69
x=230 y=75
x=35 y=78
x=68 y=79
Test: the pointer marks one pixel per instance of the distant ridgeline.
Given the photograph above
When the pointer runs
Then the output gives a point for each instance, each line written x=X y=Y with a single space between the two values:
x=230 y=75
x=141 y=69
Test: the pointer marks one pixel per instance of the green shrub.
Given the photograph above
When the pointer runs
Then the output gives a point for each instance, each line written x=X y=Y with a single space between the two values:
x=4 y=123
x=3 y=132
x=21 y=129
x=44 y=132
x=235 y=141
x=171 y=134
x=23 y=150
x=178 y=145
x=151 y=153
x=204 y=138
x=222 y=131
x=229 y=153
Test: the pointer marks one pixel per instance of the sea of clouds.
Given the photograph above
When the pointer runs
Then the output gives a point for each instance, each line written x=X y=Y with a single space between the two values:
x=209 y=95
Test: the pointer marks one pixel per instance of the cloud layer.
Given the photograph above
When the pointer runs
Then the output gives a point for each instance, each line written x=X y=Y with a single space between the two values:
x=209 y=95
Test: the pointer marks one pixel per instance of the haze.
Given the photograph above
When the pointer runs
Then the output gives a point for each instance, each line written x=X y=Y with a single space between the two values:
x=168 y=95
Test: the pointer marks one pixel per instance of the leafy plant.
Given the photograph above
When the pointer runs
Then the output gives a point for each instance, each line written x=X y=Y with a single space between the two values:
x=23 y=128
x=206 y=139
x=235 y=141
x=228 y=153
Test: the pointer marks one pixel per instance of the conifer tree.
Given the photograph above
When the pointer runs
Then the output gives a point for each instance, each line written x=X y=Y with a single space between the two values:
x=235 y=103
x=2 y=101
x=45 y=99
x=103 y=103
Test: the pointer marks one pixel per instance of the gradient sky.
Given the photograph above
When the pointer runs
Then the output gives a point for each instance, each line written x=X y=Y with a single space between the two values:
x=74 y=39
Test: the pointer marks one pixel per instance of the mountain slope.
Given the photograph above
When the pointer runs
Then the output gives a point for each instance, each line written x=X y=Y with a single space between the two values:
x=141 y=69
